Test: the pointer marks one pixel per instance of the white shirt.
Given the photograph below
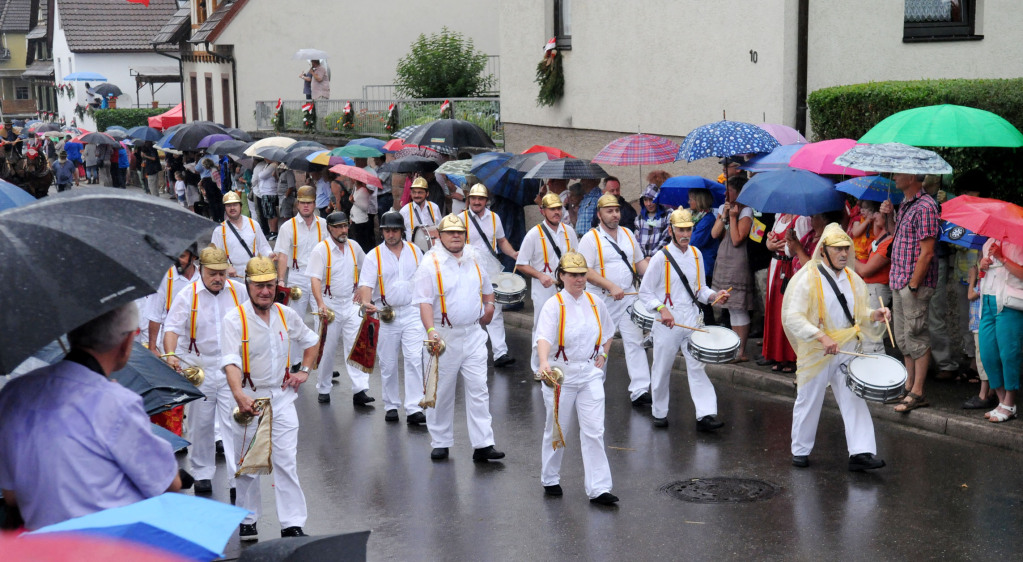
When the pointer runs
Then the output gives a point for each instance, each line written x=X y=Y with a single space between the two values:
x=651 y=290
x=615 y=270
x=269 y=344
x=161 y=302
x=396 y=273
x=998 y=280
x=807 y=328
x=256 y=243
x=491 y=226
x=418 y=215
x=531 y=252
x=463 y=280
x=581 y=327
x=210 y=312
x=263 y=178
x=345 y=267
x=309 y=235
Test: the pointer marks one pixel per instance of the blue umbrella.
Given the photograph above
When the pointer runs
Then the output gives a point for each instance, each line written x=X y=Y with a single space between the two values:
x=82 y=76
x=774 y=160
x=370 y=142
x=177 y=443
x=675 y=190
x=725 y=138
x=791 y=191
x=871 y=188
x=144 y=133
x=491 y=170
x=954 y=234
x=116 y=128
x=13 y=196
x=166 y=140
x=193 y=527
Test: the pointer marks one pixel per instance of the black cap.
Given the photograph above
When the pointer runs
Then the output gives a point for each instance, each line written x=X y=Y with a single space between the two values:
x=337 y=218
x=392 y=219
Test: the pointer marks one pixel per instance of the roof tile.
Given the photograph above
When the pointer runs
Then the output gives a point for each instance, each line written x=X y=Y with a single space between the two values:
x=113 y=25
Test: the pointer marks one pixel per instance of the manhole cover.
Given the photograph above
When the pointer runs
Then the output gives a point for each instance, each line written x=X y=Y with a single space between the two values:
x=721 y=490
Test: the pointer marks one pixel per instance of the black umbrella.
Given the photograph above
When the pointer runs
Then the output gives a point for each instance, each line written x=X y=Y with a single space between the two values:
x=188 y=136
x=296 y=159
x=274 y=153
x=75 y=255
x=117 y=134
x=567 y=168
x=225 y=147
x=453 y=133
x=99 y=139
x=305 y=144
x=410 y=164
x=238 y=134
x=526 y=162
x=348 y=546
x=105 y=89
x=47 y=127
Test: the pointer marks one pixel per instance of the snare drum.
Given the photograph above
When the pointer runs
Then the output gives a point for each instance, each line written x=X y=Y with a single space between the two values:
x=421 y=238
x=640 y=315
x=878 y=378
x=509 y=288
x=716 y=345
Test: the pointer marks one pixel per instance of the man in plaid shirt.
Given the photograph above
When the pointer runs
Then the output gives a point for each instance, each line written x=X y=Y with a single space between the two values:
x=913 y=277
x=587 y=207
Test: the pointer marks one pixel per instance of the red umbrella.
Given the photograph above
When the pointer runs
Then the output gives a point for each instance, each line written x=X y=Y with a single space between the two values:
x=988 y=217
x=68 y=547
x=819 y=157
x=394 y=145
x=357 y=174
x=637 y=150
x=554 y=153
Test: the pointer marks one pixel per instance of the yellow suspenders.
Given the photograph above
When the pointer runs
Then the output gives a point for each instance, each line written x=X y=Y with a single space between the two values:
x=294 y=240
x=246 y=372
x=561 y=327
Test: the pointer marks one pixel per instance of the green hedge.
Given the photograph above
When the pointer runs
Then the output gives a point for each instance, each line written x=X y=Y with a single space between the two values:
x=851 y=111
x=126 y=118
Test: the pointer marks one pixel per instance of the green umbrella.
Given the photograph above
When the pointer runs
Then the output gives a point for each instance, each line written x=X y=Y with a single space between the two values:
x=356 y=151
x=945 y=125
x=455 y=167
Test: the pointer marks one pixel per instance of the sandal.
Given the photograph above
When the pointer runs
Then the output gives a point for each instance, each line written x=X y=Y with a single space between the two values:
x=912 y=401
x=789 y=368
x=998 y=417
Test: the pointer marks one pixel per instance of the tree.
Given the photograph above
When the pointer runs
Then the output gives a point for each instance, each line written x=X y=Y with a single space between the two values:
x=443 y=65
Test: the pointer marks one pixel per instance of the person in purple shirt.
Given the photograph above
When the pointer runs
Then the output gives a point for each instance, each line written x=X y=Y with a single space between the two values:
x=73 y=442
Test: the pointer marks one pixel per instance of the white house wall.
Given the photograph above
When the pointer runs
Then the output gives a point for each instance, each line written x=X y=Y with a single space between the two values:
x=217 y=71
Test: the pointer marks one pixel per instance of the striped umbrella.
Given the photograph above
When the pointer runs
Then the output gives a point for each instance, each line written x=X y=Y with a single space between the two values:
x=636 y=150
x=567 y=168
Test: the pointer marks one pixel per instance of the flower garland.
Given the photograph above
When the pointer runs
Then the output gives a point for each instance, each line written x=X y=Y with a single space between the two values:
x=278 y=118
x=309 y=116
x=550 y=76
x=392 y=118
x=347 y=117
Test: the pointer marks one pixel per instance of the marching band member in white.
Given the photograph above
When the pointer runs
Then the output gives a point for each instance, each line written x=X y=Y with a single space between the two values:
x=479 y=218
x=576 y=325
x=616 y=263
x=420 y=213
x=333 y=272
x=455 y=296
x=820 y=322
x=296 y=238
x=674 y=297
x=192 y=332
x=386 y=283
x=541 y=249
x=239 y=236
x=177 y=276
x=258 y=338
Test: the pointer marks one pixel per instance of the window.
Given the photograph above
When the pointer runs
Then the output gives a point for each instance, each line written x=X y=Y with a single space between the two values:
x=200 y=11
x=225 y=98
x=193 y=89
x=940 y=20
x=21 y=92
x=563 y=23
x=209 y=96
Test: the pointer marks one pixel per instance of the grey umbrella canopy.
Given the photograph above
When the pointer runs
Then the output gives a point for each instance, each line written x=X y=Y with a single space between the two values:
x=296 y=159
x=567 y=168
x=187 y=137
x=73 y=256
x=225 y=147
x=105 y=89
x=410 y=164
x=238 y=134
x=453 y=133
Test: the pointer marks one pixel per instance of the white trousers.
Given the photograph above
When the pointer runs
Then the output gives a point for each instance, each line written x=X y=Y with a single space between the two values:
x=305 y=304
x=540 y=297
x=632 y=341
x=203 y=416
x=466 y=354
x=405 y=333
x=584 y=400
x=859 y=429
x=291 y=507
x=344 y=329
x=667 y=342
x=496 y=332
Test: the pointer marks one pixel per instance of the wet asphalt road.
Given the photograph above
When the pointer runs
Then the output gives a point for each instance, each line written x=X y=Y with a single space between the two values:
x=938 y=498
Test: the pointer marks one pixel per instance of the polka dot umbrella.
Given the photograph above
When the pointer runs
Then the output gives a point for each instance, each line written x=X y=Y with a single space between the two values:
x=725 y=138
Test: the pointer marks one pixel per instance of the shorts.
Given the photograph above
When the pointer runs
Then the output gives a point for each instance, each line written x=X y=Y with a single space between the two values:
x=268 y=206
x=909 y=320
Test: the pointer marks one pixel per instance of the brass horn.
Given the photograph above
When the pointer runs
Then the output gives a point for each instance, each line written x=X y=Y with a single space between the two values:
x=387 y=315
x=551 y=378
x=245 y=418
x=192 y=373
x=296 y=293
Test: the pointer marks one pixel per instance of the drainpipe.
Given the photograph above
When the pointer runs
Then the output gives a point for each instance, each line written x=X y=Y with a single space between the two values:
x=181 y=73
x=234 y=78
x=802 y=30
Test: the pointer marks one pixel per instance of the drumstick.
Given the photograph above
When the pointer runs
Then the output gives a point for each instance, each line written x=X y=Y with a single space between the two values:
x=843 y=352
x=689 y=328
x=886 y=323
x=728 y=290
x=630 y=293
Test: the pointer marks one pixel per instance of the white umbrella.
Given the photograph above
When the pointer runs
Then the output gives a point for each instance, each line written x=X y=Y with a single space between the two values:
x=281 y=142
x=894 y=157
x=310 y=54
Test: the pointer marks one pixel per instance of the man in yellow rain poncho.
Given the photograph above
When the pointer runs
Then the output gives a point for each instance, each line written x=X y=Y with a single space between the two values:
x=818 y=326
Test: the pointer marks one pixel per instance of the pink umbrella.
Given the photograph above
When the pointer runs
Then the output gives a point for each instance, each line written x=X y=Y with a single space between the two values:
x=783 y=133
x=637 y=150
x=819 y=157
x=357 y=174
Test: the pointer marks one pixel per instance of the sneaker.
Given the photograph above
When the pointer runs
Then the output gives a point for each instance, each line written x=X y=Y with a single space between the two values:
x=247 y=532
x=864 y=461
x=708 y=423
x=801 y=461
x=486 y=454
x=607 y=498
x=292 y=532
x=553 y=490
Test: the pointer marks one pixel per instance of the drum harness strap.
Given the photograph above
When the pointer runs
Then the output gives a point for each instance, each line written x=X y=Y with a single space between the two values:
x=195 y=313
x=685 y=282
x=355 y=264
x=380 y=271
x=600 y=254
x=246 y=372
x=412 y=219
x=294 y=242
x=541 y=230
x=491 y=244
x=561 y=327
x=170 y=289
x=838 y=294
x=440 y=289
x=223 y=235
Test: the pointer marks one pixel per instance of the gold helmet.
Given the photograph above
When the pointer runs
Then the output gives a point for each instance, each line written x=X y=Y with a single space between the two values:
x=232 y=197
x=451 y=223
x=420 y=183
x=551 y=201
x=573 y=262
x=479 y=190
x=306 y=194
x=212 y=257
x=607 y=200
x=260 y=269
x=834 y=235
x=681 y=218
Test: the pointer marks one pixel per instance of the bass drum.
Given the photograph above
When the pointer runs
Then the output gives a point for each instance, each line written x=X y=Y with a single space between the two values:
x=421 y=238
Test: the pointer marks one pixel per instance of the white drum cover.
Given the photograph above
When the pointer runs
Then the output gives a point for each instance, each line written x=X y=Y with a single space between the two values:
x=715 y=338
x=878 y=371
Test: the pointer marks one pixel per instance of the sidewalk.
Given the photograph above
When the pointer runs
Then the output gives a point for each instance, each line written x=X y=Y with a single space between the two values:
x=944 y=416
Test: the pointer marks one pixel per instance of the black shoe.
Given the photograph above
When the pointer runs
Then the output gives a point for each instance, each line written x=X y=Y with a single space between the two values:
x=234 y=495
x=660 y=422
x=553 y=490
x=323 y=398
x=292 y=532
x=504 y=361
x=708 y=423
x=977 y=403
x=801 y=461
x=361 y=398
x=607 y=498
x=203 y=487
x=391 y=416
x=335 y=375
x=864 y=461
x=415 y=418
x=220 y=447
x=643 y=400
x=486 y=454
x=248 y=532
x=439 y=453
